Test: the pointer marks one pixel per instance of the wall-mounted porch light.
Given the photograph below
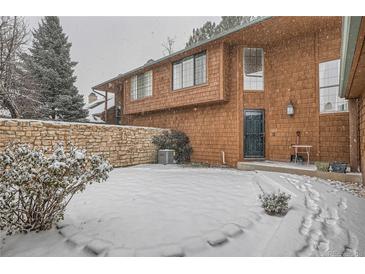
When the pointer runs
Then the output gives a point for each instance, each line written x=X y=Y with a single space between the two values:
x=290 y=109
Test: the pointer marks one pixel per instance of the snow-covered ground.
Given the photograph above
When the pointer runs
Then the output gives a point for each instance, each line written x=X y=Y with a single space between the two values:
x=154 y=210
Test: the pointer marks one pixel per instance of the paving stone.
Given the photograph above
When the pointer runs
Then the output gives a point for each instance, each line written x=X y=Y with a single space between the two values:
x=216 y=238
x=244 y=222
x=80 y=239
x=232 y=230
x=97 y=246
x=68 y=231
x=149 y=252
x=121 y=252
x=254 y=216
x=194 y=244
x=173 y=251
x=62 y=224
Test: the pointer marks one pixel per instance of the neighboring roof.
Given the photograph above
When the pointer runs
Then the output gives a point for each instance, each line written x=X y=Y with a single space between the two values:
x=350 y=32
x=97 y=102
x=98 y=107
x=216 y=37
x=95 y=119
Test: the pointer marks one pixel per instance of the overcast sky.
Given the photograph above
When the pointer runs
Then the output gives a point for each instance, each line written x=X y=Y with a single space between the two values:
x=107 y=46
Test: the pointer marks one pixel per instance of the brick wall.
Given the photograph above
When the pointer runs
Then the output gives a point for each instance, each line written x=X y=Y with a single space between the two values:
x=362 y=133
x=121 y=145
x=334 y=137
x=291 y=74
x=163 y=95
x=211 y=128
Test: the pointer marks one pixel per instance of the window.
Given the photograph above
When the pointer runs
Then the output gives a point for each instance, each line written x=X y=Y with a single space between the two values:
x=177 y=76
x=189 y=71
x=329 y=82
x=141 y=85
x=253 y=76
x=200 y=69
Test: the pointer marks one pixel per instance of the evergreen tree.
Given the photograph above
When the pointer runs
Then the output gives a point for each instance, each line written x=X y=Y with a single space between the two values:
x=209 y=29
x=230 y=22
x=49 y=63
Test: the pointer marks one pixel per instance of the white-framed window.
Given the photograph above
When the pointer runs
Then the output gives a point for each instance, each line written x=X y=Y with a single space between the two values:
x=329 y=84
x=200 y=68
x=253 y=69
x=177 y=76
x=141 y=85
x=190 y=71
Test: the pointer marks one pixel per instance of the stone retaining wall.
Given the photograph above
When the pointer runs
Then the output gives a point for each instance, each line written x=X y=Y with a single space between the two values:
x=121 y=145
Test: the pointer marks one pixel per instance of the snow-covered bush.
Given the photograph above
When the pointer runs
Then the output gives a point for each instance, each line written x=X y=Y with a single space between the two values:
x=275 y=203
x=35 y=188
x=176 y=140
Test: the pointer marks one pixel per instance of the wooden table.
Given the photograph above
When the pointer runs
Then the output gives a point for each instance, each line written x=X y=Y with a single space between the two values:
x=306 y=150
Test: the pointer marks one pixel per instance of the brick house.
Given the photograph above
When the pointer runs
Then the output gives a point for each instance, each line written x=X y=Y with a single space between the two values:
x=231 y=93
x=352 y=84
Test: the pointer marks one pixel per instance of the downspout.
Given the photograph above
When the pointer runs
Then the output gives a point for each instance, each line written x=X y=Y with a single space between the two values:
x=106 y=107
x=223 y=157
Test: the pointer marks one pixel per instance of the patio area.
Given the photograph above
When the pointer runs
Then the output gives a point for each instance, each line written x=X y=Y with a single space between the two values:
x=155 y=210
x=299 y=169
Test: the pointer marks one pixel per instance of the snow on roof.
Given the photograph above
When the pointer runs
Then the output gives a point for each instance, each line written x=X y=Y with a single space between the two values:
x=95 y=103
x=94 y=119
x=201 y=43
x=98 y=106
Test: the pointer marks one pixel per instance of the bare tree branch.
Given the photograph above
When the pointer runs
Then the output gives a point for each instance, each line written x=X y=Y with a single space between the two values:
x=13 y=38
x=168 y=46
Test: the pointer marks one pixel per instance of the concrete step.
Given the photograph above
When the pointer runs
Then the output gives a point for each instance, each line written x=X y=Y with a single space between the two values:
x=281 y=167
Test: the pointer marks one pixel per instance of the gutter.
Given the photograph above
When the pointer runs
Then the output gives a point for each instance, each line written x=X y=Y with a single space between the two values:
x=350 y=32
x=218 y=36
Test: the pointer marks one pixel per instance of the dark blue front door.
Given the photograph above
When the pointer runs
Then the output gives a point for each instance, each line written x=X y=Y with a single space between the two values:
x=254 y=135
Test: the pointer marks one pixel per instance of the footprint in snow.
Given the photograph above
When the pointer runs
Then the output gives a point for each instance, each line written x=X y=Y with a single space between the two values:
x=342 y=203
x=352 y=245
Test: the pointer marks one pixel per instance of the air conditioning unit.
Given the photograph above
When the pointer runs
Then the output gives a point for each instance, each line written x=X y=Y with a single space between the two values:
x=166 y=156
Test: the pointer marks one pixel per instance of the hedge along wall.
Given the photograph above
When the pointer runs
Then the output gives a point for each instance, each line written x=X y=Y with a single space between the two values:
x=121 y=145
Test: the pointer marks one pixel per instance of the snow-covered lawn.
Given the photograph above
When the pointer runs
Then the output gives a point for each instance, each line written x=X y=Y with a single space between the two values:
x=153 y=210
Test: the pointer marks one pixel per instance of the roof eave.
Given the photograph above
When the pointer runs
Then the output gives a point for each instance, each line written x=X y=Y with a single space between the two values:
x=199 y=44
x=350 y=32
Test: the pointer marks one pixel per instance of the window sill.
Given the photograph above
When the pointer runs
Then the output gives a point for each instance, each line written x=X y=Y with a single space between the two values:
x=141 y=99
x=333 y=112
x=189 y=88
x=254 y=91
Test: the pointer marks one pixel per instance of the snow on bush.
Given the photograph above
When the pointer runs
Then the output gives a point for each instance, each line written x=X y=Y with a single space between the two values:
x=35 y=188
x=275 y=203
